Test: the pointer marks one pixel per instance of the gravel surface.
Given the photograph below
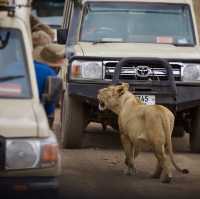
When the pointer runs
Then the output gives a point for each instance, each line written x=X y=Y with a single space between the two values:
x=96 y=170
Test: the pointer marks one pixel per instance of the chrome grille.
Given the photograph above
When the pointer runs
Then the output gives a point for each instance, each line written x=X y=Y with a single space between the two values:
x=129 y=72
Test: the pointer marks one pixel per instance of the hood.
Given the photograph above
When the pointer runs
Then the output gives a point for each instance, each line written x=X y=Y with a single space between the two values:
x=137 y=50
x=17 y=118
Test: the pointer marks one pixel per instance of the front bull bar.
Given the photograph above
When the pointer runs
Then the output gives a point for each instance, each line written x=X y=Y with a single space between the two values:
x=170 y=83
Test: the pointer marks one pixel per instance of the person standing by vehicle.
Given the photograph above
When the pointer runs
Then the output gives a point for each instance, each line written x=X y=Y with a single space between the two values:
x=47 y=58
x=37 y=25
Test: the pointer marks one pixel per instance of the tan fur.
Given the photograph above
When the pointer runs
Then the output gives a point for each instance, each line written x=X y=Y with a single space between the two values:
x=140 y=123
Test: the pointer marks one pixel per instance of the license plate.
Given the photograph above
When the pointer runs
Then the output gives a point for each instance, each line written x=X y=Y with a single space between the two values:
x=147 y=99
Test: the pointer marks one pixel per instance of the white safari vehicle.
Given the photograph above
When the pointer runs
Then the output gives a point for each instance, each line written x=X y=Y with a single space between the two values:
x=29 y=153
x=151 y=44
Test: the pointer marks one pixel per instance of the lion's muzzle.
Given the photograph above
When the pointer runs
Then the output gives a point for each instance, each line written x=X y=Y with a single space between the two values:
x=102 y=106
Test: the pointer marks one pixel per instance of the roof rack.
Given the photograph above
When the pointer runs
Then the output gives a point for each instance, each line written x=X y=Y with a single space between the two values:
x=11 y=5
x=5 y=5
x=7 y=8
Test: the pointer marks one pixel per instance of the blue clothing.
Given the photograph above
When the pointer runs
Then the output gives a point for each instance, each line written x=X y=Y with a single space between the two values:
x=43 y=71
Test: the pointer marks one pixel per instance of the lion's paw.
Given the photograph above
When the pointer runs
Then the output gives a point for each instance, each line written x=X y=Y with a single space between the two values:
x=130 y=171
x=166 y=179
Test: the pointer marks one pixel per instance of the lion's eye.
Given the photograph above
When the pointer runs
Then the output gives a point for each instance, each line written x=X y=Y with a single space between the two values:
x=110 y=95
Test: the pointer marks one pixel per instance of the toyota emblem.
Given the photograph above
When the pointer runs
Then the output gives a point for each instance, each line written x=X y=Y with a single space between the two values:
x=143 y=71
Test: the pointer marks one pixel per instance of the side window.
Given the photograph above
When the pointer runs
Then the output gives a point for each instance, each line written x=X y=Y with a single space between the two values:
x=14 y=79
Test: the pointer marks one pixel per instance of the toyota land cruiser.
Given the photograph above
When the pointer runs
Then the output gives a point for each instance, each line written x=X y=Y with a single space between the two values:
x=29 y=152
x=152 y=44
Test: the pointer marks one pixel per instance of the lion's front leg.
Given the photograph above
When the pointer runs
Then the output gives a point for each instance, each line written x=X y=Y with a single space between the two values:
x=129 y=150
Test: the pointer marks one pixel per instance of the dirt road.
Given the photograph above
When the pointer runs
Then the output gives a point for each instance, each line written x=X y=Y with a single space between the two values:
x=96 y=171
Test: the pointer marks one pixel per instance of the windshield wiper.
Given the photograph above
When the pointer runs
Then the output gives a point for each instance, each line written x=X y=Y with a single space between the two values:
x=4 y=41
x=11 y=77
x=102 y=41
x=183 y=44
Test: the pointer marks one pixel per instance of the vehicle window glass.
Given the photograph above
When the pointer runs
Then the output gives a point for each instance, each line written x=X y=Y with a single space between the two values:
x=74 y=23
x=46 y=8
x=137 y=22
x=49 y=12
x=14 y=79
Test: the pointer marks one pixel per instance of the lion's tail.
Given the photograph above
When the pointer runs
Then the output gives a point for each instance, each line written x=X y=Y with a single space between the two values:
x=168 y=125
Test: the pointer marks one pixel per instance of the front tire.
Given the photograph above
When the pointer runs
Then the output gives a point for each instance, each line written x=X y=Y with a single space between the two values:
x=72 y=123
x=195 y=131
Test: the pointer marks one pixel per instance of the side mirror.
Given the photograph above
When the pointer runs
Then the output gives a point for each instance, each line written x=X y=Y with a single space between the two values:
x=62 y=36
x=53 y=89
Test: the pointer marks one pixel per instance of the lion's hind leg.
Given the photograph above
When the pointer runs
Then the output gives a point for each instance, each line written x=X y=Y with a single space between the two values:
x=163 y=163
x=129 y=159
x=158 y=171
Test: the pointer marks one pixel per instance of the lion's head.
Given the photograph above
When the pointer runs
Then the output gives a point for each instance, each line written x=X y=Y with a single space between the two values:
x=109 y=98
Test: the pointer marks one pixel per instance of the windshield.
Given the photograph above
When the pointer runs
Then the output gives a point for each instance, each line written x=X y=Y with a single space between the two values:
x=49 y=12
x=137 y=22
x=14 y=81
x=46 y=8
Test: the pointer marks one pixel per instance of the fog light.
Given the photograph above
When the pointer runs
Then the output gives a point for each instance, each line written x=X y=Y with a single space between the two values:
x=20 y=188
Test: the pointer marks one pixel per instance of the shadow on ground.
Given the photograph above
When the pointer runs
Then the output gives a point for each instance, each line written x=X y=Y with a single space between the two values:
x=95 y=137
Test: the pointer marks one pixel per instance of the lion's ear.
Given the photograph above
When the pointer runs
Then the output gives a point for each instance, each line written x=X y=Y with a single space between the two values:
x=120 y=90
x=125 y=86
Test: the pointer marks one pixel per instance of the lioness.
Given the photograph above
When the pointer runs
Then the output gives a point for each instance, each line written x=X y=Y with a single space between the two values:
x=139 y=123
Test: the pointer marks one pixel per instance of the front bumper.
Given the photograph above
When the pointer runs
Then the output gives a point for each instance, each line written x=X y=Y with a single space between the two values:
x=187 y=95
x=24 y=184
x=176 y=95
x=22 y=180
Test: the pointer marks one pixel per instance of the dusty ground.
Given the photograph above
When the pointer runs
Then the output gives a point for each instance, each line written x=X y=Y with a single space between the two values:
x=96 y=171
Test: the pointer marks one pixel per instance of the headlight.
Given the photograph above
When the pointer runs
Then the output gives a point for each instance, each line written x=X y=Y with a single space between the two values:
x=86 y=70
x=191 y=72
x=31 y=153
x=22 y=154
